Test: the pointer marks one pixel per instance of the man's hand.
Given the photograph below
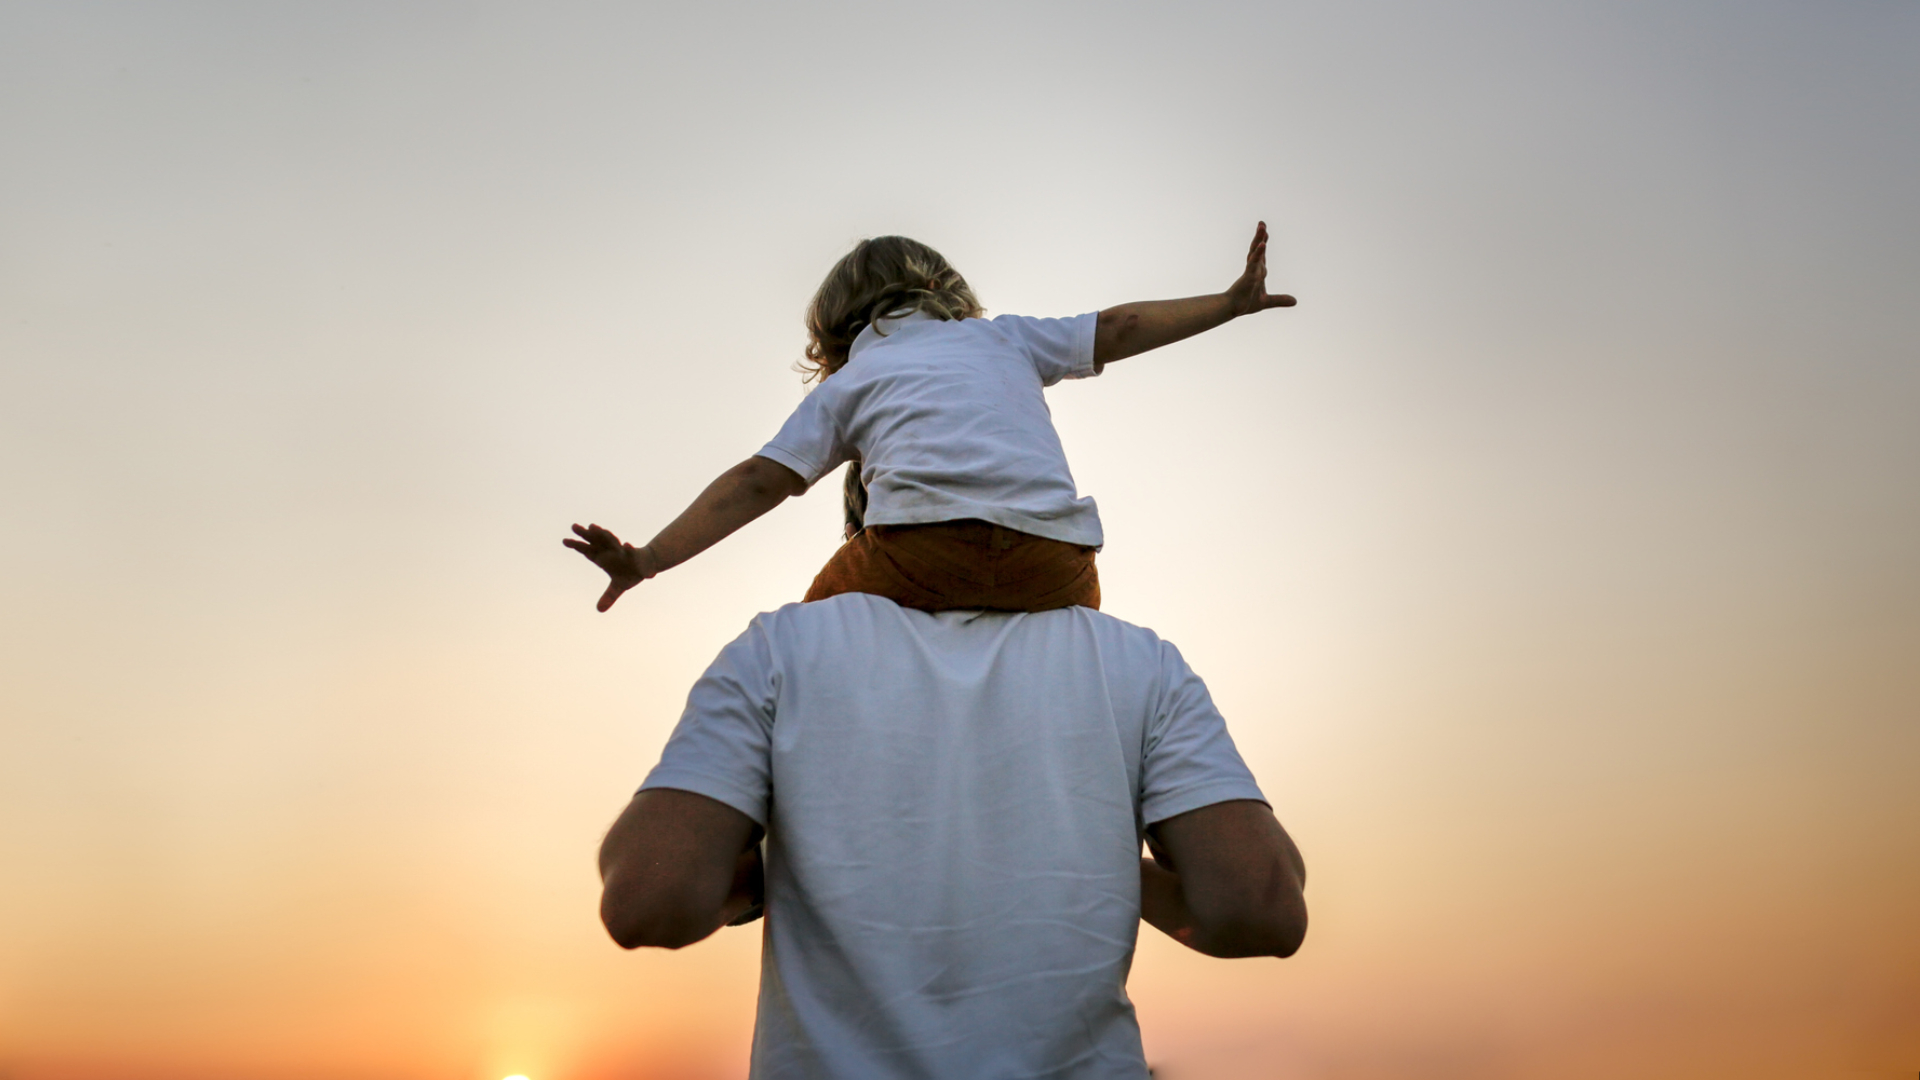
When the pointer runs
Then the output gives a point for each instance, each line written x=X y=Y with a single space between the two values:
x=625 y=564
x=1249 y=294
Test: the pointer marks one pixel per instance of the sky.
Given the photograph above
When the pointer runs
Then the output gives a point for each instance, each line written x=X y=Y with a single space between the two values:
x=1556 y=562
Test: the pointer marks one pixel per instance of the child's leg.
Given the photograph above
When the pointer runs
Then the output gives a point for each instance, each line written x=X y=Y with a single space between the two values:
x=962 y=564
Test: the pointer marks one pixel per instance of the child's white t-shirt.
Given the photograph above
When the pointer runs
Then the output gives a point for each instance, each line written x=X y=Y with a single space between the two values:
x=949 y=422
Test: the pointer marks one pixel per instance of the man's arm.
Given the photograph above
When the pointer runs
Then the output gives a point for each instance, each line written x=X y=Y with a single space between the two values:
x=1131 y=329
x=677 y=866
x=1225 y=880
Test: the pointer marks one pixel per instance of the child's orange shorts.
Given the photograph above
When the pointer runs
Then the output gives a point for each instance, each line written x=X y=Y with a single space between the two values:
x=961 y=564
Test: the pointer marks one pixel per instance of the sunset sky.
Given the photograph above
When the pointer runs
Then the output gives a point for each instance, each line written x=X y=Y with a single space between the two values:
x=1556 y=562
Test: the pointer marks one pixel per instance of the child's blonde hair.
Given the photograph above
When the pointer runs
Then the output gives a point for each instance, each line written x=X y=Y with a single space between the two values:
x=877 y=278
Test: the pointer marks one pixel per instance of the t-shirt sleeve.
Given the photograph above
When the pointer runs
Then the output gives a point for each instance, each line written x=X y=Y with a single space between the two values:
x=721 y=747
x=1059 y=348
x=1190 y=760
x=810 y=442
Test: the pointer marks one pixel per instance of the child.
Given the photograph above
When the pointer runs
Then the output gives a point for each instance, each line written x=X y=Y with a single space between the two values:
x=957 y=494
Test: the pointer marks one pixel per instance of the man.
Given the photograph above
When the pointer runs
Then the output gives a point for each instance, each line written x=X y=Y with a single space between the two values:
x=953 y=806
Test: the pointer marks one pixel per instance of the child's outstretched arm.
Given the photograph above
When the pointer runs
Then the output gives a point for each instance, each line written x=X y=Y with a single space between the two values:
x=741 y=494
x=1131 y=329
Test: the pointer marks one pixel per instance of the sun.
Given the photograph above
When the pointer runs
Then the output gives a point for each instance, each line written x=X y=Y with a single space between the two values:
x=515 y=1076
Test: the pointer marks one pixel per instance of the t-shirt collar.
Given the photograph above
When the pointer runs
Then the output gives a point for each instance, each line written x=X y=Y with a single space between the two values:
x=886 y=324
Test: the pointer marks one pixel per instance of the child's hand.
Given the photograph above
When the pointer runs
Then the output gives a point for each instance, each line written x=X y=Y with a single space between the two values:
x=1144 y=325
x=625 y=564
x=1249 y=294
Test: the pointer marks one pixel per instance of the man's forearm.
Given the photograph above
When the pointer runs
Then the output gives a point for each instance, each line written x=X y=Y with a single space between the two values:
x=675 y=867
x=1163 y=905
x=1131 y=329
x=748 y=896
x=1225 y=880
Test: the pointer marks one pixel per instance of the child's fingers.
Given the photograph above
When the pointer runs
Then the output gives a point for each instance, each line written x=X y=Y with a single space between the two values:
x=614 y=589
x=597 y=536
x=607 y=560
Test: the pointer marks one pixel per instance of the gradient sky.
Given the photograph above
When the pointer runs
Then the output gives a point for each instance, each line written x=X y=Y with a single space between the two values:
x=1556 y=562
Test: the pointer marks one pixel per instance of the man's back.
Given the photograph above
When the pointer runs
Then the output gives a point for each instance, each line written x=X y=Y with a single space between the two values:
x=953 y=805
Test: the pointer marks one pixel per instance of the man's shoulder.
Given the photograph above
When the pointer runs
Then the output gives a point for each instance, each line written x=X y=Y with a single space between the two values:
x=871 y=618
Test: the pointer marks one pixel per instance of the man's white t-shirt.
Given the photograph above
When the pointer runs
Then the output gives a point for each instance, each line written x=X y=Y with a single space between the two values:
x=949 y=422
x=954 y=804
